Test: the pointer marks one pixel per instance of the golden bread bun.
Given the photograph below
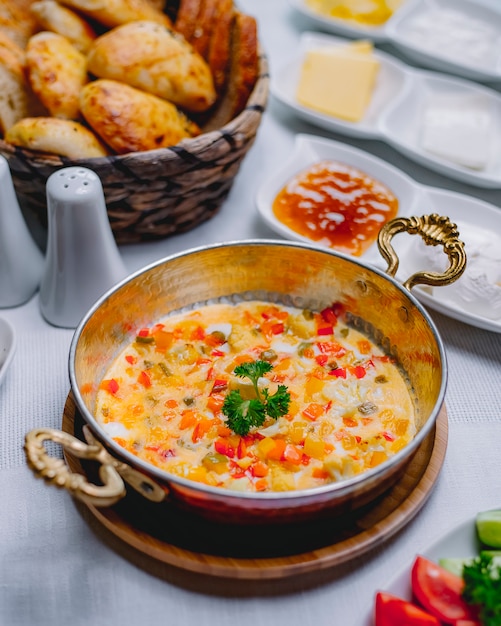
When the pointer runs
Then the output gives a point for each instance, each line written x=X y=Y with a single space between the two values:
x=16 y=98
x=16 y=21
x=154 y=59
x=186 y=17
x=219 y=52
x=130 y=120
x=50 y=134
x=242 y=73
x=52 y=16
x=57 y=71
x=115 y=12
x=204 y=26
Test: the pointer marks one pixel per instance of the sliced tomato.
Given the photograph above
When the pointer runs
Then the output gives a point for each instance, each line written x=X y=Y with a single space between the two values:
x=393 y=611
x=467 y=622
x=439 y=592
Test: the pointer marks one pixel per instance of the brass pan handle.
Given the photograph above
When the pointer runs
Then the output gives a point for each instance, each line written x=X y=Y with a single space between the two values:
x=112 y=472
x=434 y=230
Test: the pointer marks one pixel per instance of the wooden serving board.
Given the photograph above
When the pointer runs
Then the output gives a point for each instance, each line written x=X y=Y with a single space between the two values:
x=185 y=540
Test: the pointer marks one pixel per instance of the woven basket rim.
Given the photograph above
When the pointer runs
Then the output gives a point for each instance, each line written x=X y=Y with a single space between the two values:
x=247 y=122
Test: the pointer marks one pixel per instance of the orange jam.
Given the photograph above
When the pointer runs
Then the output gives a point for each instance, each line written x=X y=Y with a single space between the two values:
x=336 y=205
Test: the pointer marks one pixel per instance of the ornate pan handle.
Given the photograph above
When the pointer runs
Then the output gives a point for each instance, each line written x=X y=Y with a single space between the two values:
x=435 y=230
x=111 y=471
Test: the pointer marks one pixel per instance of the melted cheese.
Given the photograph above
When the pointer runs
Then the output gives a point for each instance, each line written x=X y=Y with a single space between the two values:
x=350 y=408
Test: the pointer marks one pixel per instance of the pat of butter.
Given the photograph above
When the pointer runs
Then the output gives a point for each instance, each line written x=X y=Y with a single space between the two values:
x=458 y=128
x=338 y=81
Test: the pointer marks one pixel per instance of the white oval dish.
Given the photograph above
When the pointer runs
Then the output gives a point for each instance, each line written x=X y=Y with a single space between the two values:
x=459 y=542
x=402 y=30
x=414 y=199
x=7 y=347
x=401 y=100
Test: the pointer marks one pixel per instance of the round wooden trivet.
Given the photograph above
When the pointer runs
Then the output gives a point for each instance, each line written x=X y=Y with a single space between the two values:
x=188 y=541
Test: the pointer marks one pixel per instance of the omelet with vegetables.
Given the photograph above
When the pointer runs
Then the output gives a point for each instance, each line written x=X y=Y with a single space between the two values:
x=257 y=397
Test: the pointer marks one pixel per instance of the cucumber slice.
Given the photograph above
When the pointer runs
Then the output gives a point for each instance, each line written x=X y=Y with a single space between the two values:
x=488 y=525
x=455 y=565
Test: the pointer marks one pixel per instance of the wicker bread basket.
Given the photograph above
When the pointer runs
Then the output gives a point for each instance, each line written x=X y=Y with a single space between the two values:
x=151 y=195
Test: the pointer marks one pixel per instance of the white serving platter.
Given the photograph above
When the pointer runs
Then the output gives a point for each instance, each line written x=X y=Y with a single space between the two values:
x=469 y=34
x=395 y=112
x=414 y=199
x=459 y=542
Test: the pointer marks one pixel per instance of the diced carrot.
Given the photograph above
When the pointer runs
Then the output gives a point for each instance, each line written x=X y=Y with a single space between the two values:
x=188 y=419
x=171 y=404
x=313 y=411
x=261 y=484
x=319 y=472
x=349 y=421
x=201 y=429
x=276 y=453
x=259 y=469
x=215 y=403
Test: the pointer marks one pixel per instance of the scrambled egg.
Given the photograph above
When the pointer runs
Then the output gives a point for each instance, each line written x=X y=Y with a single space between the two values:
x=163 y=398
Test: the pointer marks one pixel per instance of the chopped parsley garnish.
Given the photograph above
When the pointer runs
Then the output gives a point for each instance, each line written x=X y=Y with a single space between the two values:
x=242 y=415
x=482 y=588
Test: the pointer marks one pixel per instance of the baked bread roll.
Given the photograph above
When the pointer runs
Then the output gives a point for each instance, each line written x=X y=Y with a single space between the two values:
x=52 y=16
x=218 y=56
x=130 y=120
x=62 y=137
x=57 y=71
x=206 y=21
x=16 y=21
x=242 y=74
x=16 y=98
x=186 y=17
x=115 y=12
x=154 y=59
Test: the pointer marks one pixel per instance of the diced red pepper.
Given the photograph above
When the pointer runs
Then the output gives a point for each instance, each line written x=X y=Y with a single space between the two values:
x=388 y=436
x=109 y=385
x=144 y=379
x=217 y=353
x=359 y=371
x=329 y=315
x=241 y=448
x=339 y=372
x=278 y=328
x=322 y=359
x=220 y=384
x=325 y=330
x=131 y=359
x=222 y=446
x=143 y=332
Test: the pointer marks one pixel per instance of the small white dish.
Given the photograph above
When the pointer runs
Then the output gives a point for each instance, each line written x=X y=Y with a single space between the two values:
x=7 y=346
x=414 y=199
x=469 y=23
x=339 y=26
x=460 y=542
x=455 y=36
x=472 y=217
x=390 y=83
x=308 y=150
x=395 y=112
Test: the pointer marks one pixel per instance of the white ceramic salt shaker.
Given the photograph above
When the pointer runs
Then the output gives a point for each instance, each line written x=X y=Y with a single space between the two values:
x=21 y=262
x=82 y=258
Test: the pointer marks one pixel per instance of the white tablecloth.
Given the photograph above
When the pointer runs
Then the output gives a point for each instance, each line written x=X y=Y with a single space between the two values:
x=58 y=567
